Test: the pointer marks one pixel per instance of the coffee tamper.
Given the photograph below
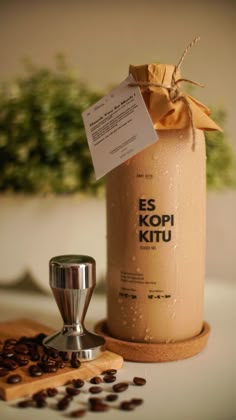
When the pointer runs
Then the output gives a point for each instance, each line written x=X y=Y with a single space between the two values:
x=72 y=280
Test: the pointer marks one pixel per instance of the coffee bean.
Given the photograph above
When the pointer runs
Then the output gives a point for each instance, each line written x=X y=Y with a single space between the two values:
x=111 y=397
x=10 y=364
x=39 y=395
x=14 y=379
x=21 y=348
x=78 y=383
x=21 y=359
x=120 y=387
x=49 y=368
x=95 y=389
x=78 y=413
x=75 y=363
x=39 y=338
x=109 y=372
x=11 y=341
x=63 y=404
x=60 y=364
x=94 y=400
x=99 y=407
x=3 y=372
x=137 y=401
x=34 y=357
x=8 y=354
x=96 y=380
x=41 y=403
x=72 y=391
x=139 y=381
x=35 y=371
x=54 y=354
x=109 y=378
x=127 y=406
x=24 y=403
x=51 y=392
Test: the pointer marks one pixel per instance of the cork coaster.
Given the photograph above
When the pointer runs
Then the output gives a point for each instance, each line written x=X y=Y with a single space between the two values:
x=157 y=352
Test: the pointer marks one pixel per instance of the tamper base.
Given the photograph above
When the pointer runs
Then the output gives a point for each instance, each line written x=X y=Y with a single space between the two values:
x=87 y=345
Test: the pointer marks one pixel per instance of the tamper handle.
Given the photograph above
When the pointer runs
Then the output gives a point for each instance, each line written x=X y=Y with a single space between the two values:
x=72 y=272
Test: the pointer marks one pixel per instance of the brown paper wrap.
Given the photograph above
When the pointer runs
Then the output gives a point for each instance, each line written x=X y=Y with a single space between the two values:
x=166 y=114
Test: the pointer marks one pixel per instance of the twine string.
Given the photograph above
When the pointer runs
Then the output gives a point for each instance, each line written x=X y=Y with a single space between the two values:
x=175 y=93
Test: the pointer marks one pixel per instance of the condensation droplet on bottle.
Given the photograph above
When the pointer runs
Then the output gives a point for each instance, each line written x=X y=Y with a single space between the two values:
x=173 y=315
x=155 y=157
x=119 y=300
x=140 y=316
x=181 y=136
x=133 y=325
x=143 y=196
x=124 y=322
x=134 y=319
x=133 y=258
x=138 y=270
x=146 y=337
x=133 y=338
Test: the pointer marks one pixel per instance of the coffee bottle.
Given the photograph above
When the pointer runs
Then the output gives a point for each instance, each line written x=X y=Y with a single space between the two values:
x=156 y=220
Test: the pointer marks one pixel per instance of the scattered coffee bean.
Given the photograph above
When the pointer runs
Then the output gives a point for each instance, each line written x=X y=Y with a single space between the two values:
x=41 y=403
x=39 y=395
x=24 y=403
x=109 y=372
x=95 y=389
x=39 y=338
x=74 y=362
x=63 y=404
x=51 y=392
x=8 y=354
x=60 y=364
x=10 y=364
x=49 y=368
x=109 y=378
x=34 y=357
x=14 y=379
x=93 y=400
x=111 y=397
x=139 y=381
x=96 y=380
x=78 y=413
x=78 y=383
x=35 y=371
x=137 y=401
x=127 y=406
x=21 y=359
x=21 y=348
x=3 y=371
x=99 y=407
x=72 y=391
x=120 y=387
x=11 y=341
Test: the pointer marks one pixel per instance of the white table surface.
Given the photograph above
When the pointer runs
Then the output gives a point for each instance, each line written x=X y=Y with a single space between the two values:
x=200 y=388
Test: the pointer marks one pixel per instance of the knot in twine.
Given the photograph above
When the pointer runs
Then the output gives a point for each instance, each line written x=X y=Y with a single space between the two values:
x=174 y=91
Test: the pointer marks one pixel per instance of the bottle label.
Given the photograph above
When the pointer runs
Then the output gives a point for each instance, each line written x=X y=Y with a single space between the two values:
x=118 y=126
x=153 y=227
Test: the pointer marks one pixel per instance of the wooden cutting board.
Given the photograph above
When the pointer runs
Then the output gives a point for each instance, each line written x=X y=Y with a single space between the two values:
x=29 y=385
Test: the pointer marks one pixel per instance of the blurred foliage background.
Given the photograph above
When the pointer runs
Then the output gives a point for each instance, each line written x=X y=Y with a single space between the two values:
x=43 y=146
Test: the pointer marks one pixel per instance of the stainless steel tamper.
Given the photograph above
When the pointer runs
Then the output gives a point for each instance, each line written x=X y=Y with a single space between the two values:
x=72 y=280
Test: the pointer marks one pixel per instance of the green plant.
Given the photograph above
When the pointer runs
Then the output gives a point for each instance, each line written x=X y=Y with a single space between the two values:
x=43 y=146
x=221 y=168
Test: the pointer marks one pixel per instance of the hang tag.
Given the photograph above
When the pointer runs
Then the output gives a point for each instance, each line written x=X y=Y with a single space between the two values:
x=118 y=126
